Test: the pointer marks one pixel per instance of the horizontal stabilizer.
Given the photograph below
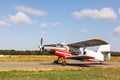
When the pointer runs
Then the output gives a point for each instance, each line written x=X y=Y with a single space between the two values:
x=106 y=52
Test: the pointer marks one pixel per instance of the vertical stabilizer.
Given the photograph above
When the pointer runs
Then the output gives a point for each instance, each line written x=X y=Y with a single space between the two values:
x=105 y=50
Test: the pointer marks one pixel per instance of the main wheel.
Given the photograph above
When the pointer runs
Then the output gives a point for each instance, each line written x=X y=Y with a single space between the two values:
x=55 y=62
x=63 y=63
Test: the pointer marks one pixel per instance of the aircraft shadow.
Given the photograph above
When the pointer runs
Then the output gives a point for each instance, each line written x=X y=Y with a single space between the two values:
x=78 y=64
x=86 y=64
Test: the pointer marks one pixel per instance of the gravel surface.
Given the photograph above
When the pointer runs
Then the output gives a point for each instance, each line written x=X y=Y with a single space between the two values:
x=51 y=65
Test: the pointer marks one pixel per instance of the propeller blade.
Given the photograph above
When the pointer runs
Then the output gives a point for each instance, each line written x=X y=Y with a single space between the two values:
x=41 y=44
x=41 y=41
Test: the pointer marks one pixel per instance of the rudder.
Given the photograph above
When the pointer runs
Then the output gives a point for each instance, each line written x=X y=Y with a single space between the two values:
x=105 y=50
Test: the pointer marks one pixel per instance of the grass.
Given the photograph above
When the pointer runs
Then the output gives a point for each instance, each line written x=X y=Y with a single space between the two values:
x=38 y=58
x=115 y=59
x=80 y=74
x=28 y=58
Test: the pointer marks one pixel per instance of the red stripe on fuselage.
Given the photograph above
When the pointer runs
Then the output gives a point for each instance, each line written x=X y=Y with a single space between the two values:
x=62 y=53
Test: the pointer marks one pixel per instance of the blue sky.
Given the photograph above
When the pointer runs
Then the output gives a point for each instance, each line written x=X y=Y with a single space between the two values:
x=24 y=22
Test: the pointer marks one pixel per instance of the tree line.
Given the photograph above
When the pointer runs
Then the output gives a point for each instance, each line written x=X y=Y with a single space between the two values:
x=19 y=52
x=115 y=53
x=35 y=52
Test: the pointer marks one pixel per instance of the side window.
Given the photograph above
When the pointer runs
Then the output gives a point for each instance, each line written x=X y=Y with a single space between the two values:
x=66 y=48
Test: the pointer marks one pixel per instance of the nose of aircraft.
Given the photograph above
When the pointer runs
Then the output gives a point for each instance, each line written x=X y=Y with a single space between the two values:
x=42 y=48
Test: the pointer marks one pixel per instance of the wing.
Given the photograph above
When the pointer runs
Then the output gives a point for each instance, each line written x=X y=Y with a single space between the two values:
x=88 y=43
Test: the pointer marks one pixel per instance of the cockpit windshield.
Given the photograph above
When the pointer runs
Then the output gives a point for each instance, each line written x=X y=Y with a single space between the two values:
x=59 y=45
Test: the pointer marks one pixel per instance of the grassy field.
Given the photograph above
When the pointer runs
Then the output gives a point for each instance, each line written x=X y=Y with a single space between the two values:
x=80 y=74
x=115 y=59
x=39 y=58
x=28 y=58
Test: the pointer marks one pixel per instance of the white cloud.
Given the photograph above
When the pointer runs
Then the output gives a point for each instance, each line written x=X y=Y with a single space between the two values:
x=20 y=17
x=44 y=32
x=43 y=25
x=119 y=11
x=31 y=10
x=84 y=31
x=104 y=13
x=3 y=23
x=117 y=30
x=55 y=24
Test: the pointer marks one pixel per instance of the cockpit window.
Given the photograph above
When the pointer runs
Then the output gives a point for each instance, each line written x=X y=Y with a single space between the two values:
x=52 y=45
x=59 y=45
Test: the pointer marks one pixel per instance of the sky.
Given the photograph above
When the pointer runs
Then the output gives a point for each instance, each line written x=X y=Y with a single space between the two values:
x=24 y=22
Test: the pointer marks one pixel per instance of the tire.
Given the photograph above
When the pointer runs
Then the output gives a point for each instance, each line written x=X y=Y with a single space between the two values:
x=55 y=62
x=63 y=64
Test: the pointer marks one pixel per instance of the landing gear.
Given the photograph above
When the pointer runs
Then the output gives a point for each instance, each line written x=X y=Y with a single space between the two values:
x=63 y=63
x=55 y=62
x=63 y=59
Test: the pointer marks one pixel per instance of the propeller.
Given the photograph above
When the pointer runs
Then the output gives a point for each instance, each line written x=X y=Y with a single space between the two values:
x=41 y=41
x=41 y=44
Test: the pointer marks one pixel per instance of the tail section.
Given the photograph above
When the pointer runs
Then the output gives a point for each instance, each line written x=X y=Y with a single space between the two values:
x=105 y=50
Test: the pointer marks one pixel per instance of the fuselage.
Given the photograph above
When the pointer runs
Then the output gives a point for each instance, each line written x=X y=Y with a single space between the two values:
x=62 y=47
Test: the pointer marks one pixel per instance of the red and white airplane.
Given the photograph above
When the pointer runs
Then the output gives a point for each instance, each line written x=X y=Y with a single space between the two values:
x=79 y=51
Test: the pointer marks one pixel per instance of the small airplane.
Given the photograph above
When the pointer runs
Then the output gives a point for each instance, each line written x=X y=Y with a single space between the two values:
x=78 y=51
